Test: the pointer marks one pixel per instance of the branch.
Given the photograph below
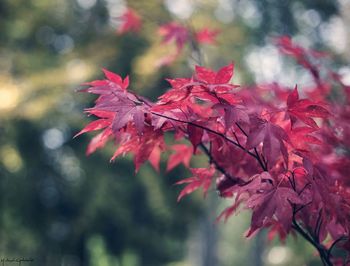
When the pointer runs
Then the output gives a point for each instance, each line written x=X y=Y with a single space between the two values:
x=320 y=248
x=262 y=164
x=218 y=167
x=329 y=253
x=216 y=133
x=312 y=239
x=318 y=225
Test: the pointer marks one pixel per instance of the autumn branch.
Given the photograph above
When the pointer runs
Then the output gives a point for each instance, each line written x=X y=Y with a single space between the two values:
x=256 y=156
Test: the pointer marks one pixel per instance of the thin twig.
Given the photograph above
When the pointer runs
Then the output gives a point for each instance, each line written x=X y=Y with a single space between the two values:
x=318 y=225
x=302 y=190
x=263 y=164
x=329 y=253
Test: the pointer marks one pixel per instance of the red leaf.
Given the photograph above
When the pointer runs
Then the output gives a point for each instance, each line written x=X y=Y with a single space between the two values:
x=148 y=142
x=202 y=177
x=272 y=203
x=216 y=83
x=174 y=32
x=154 y=158
x=293 y=97
x=272 y=137
x=205 y=74
x=94 y=125
x=112 y=76
x=195 y=135
x=232 y=114
x=99 y=141
x=194 y=185
x=183 y=154
x=301 y=138
x=304 y=110
x=229 y=211
x=125 y=106
x=130 y=22
x=206 y=36
x=225 y=74
x=141 y=146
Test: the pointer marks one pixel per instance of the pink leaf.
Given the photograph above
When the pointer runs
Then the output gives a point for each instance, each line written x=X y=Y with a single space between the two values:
x=183 y=154
x=130 y=22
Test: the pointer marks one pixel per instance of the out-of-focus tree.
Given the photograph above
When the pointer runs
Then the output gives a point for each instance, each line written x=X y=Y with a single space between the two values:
x=57 y=206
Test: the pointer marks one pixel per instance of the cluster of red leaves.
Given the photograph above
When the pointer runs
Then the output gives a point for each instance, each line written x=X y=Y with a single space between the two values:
x=283 y=156
x=174 y=32
x=171 y=33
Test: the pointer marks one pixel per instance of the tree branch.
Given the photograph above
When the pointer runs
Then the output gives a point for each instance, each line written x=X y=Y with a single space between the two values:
x=218 y=134
x=320 y=248
x=329 y=253
x=262 y=164
x=218 y=167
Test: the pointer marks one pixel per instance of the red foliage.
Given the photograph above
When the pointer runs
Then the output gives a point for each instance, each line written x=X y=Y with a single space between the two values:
x=207 y=36
x=172 y=32
x=283 y=157
x=130 y=22
x=181 y=35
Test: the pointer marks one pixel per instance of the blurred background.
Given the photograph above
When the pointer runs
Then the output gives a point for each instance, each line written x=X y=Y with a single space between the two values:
x=60 y=207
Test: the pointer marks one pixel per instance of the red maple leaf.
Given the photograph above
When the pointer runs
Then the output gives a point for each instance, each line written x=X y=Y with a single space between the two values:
x=218 y=83
x=174 y=32
x=208 y=76
x=99 y=141
x=202 y=177
x=206 y=36
x=272 y=202
x=182 y=154
x=141 y=146
x=113 y=83
x=304 y=110
x=154 y=157
x=302 y=137
x=114 y=98
x=232 y=114
x=300 y=54
x=272 y=136
x=105 y=120
x=180 y=90
x=195 y=135
x=130 y=22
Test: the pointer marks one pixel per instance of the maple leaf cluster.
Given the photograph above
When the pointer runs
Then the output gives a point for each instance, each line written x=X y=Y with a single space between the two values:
x=283 y=156
x=170 y=33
